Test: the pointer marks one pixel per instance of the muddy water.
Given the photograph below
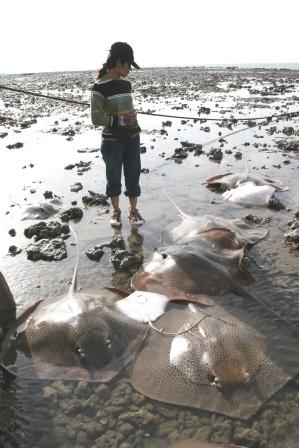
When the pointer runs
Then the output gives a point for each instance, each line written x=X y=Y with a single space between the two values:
x=70 y=414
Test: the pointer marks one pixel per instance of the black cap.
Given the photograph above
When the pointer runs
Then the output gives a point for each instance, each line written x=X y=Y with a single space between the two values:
x=123 y=52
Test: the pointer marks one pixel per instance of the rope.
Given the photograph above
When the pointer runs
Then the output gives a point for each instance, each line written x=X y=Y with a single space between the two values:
x=83 y=103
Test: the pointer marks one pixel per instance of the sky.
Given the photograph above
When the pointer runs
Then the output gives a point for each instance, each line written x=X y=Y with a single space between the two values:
x=63 y=35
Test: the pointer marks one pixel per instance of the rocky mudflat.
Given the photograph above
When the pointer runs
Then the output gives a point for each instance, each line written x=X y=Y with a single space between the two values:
x=59 y=148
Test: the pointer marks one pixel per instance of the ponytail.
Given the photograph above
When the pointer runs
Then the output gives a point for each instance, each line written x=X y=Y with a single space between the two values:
x=110 y=63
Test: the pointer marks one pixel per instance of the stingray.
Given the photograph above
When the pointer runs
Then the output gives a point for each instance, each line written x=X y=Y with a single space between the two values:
x=250 y=194
x=219 y=232
x=41 y=210
x=193 y=273
x=79 y=335
x=227 y=359
x=233 y=180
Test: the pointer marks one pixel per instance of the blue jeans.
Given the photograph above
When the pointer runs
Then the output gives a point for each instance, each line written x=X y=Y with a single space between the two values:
x=117 y=155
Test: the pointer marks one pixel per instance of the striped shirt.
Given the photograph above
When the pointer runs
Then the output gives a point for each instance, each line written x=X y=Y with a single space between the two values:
x=111 y=100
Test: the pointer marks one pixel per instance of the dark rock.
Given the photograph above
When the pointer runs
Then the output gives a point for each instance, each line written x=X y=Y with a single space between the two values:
x=77 y=187
x=48 y=230
x=3 y=134
x=215 y=154
x=204 y=110
x=47 y=250
x=12 y=232
x=74 y=213
x=238 y=155
x=15 y=145
x=125 y=260
x=95 y=199
x=180 y=153
x=292 y=237
x=48 y=195
x=145 y=170
x=257 y=220
x=288 y=131
x=288 y=146
x=69 y=167
x=142 y=149
x=167 y=123
x=14 y=250
x=275 y=204
x=95 y=254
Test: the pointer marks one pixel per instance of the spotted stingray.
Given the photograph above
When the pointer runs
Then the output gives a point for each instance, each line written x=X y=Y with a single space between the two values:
x=227 y=359
x=221 y=233
x=193 y=273
x=79 y=335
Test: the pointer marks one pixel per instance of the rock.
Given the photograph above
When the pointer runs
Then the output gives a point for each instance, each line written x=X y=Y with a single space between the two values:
x=95 y=254
x=69 y=167
x=49 y=393
x=180 y=153
x=288 y=130
x=48 y=195
x=77 y=187
x=292 y=237
x=167 y=123
x=83 y=390
x=74 y=213
x=256 y=220
x=3 y=134
x=14 y=250
x=238 y=155
x=48 y=230
x=142 y=149
x=275 y=204
x=125 y=260
x=12 y=232
x=15 y=145
x=215 y=154
x=103 y=392
x=288 y=146
x=145 y=170
x=111 y=439
x=47 y=250
x=95 y=199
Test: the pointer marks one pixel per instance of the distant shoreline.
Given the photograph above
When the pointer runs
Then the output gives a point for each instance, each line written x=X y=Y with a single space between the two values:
x=265 y=66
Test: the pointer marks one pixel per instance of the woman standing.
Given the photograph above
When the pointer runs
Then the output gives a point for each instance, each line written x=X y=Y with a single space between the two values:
x=112 y=107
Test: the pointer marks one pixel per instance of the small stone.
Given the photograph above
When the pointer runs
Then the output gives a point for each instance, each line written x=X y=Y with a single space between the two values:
x=48 y=194
x=76 y=187
x=74 y=213
x=12 y=232
x=14 y=250
x=95 y=254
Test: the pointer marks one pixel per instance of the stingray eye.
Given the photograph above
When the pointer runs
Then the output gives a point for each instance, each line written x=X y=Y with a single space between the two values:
x=79 y=352
x=164 y=256
x=108 y=342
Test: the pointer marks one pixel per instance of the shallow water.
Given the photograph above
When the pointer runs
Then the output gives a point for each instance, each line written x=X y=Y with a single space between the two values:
x=71 y=414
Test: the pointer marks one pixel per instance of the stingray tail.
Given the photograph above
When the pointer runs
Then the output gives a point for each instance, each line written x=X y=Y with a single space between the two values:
x=181 y=213
x=73 y=286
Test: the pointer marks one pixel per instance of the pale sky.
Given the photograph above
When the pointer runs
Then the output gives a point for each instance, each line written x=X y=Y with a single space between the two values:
x=54 y=35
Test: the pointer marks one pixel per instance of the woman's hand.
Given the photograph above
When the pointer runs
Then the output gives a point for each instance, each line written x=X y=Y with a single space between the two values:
x=129 y=118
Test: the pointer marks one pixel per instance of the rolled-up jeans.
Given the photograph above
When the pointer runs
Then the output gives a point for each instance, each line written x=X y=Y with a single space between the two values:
x=117 y=155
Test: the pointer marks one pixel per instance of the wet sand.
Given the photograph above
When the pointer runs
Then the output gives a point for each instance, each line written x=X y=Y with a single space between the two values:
x=55 y=135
